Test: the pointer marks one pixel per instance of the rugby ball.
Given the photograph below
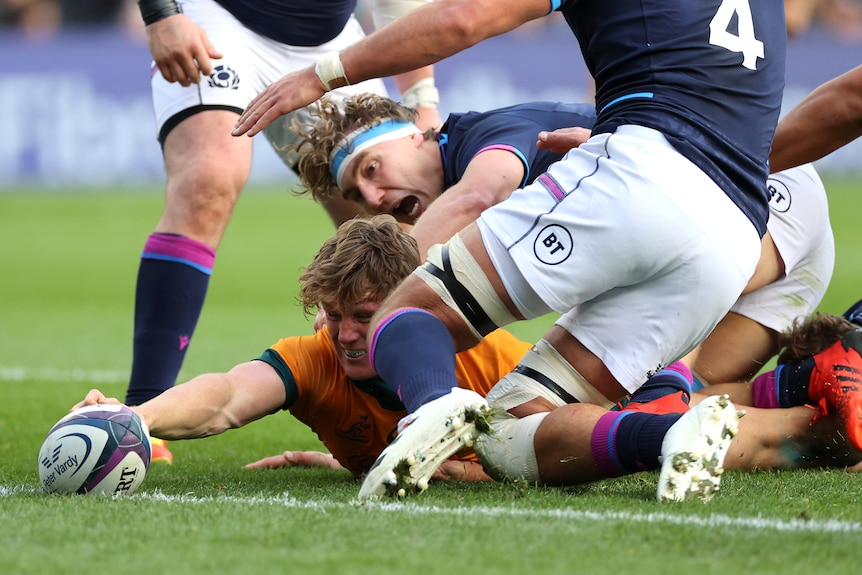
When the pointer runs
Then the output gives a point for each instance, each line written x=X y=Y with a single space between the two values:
x=99 y=449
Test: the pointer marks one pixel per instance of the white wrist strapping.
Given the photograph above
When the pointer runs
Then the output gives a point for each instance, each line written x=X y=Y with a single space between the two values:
x=330 y=71
x=422 y=94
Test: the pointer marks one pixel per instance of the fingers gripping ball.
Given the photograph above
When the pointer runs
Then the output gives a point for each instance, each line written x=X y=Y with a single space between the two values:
x=100 y=449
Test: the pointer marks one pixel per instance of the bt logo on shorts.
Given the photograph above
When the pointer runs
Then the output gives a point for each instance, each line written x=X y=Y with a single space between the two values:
x=779 y=195
x=224 y=77
x=553 y=245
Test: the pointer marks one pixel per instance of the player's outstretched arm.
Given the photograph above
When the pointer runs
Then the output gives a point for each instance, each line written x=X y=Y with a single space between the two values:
x=420 y=38
x=450 y=470
x=826 y=119
x=212 y=403
x=208 y=404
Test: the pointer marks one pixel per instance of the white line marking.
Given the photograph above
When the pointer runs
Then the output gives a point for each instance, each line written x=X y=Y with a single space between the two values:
x=285 y=500
x=51 y=374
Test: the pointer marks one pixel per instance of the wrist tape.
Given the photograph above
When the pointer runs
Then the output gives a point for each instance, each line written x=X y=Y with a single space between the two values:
x=330 y=71
x=422 y=94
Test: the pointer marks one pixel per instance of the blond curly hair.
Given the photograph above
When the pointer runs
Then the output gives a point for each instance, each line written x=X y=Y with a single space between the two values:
x=334 y=120
x=364 y=261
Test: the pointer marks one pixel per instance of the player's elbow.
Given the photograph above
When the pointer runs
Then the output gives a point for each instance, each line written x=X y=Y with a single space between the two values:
x=466 y=23
x=477 y=201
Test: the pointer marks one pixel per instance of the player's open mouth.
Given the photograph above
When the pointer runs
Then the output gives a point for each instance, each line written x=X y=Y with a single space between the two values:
x=408 y=207
x=354 y=353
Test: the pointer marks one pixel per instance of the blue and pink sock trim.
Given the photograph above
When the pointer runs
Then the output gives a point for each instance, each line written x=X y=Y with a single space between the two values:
x=603 y=442
x=383 y=324
x=765 y=390
x=180 y=249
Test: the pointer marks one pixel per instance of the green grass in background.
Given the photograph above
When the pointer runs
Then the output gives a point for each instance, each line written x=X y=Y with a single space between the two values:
x=67 y=272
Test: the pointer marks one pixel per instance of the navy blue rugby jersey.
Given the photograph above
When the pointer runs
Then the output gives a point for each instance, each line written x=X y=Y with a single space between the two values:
x=514 y=128
x=293 y=22
x=708 y=74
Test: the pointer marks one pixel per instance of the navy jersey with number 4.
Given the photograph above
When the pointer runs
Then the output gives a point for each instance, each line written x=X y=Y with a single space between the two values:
x=708 y=74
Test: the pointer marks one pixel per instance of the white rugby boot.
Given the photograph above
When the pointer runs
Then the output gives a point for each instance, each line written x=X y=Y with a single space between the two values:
x=426 y=438
x=693 y=451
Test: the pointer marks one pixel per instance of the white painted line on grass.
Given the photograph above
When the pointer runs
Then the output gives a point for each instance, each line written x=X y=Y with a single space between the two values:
x=51 y=374
x=712 y=521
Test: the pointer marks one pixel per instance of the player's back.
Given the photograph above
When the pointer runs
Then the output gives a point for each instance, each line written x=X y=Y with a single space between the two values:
x=514 y=128
x=708 y=74
x=294 y=22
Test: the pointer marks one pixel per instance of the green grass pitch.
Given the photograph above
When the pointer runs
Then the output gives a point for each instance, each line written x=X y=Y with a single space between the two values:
x=67 y=272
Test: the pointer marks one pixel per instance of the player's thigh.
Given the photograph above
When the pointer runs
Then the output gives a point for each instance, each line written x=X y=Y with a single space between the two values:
x=802 y=237
x=779 y=304
x=615 y=212
x=637 y=330
x=207 y=169
x=462 y=289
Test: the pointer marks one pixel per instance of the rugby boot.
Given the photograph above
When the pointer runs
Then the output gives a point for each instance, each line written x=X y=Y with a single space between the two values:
x=694 y=448
x=426 y=438
x=836 y=382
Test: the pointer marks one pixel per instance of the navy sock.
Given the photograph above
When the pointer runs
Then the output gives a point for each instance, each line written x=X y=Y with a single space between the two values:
x=172 y=283
x=628 y=442
x=412 y=351
x=792 y=381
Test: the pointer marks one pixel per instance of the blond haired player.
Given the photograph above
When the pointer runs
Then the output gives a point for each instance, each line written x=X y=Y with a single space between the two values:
x=325 y=380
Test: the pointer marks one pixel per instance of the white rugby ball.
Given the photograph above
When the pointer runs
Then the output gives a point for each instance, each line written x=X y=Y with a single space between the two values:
x=99 y=449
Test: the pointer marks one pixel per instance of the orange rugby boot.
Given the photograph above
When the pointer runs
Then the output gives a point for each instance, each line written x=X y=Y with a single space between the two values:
x=676 y=402
x=836 y=381
x=160 y=451
x=676 y=376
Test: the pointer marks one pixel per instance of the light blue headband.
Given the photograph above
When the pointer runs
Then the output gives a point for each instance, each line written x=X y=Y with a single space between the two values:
x=362 y=139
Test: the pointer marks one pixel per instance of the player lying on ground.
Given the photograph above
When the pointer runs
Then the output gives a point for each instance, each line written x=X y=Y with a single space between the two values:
x=315 y=377
x=325 y=380
x=370 y=151
x=537 y=439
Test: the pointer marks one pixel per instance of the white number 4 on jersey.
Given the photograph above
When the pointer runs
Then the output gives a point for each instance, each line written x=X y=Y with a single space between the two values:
x=743 y=41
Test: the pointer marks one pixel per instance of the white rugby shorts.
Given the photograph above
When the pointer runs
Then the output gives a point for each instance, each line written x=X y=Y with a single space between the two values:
x=800 y=227
x=639 y=249
x=250 y=63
